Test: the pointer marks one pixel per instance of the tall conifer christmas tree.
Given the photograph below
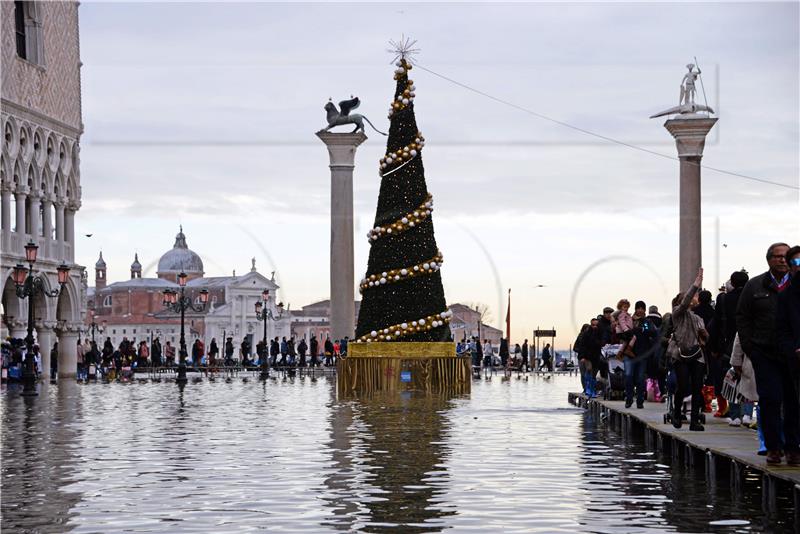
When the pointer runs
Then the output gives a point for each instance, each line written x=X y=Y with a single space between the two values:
x=402 y=293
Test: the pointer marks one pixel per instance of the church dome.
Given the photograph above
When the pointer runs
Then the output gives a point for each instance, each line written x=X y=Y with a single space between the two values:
x=180 y=258
x=136 y=266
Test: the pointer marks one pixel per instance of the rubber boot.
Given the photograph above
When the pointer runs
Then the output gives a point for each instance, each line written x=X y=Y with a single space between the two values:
x=587 y=385
x=708 y=396
x=722 y=406
x=657 y=396
x=592 y=383
x=762 y=447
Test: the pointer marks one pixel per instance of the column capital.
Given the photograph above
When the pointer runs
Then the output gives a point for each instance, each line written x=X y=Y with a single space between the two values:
x=21 y=191
x=342 y=146
x=73 y=205
x=6 y=187
x=690 y=134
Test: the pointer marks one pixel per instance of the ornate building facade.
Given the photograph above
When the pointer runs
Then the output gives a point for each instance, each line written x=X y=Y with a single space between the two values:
x=40 y=168
x=133 y=308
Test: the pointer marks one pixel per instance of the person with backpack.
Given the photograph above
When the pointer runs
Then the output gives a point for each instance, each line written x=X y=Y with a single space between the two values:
x=686 y=350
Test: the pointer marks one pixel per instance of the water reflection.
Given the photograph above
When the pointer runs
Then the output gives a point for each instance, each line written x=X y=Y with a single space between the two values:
x=287 y=455
x=389 y=451
x=39 y=436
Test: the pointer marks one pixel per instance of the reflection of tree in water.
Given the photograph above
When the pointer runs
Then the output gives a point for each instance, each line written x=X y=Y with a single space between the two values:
x=389 y=458
x=39 y=437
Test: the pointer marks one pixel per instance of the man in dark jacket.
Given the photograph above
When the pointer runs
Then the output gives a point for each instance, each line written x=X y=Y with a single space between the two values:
x=604 y=325
x=788 y=315
x=722 y=332
x=755 y=321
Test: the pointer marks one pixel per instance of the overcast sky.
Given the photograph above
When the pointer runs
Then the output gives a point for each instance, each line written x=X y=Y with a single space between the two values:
x=204 y=114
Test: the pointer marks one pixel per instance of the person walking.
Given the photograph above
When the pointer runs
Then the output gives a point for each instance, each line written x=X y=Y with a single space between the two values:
x=504 y=352
x=302 y=348
x=646 y=335
x=328 y=352
x=686 y=349
x=228 y=352
x=155 y=353
x=547 y=358
x=525 y=354
x=213 y=352
x=313 y=349
x=722 y=332
x=756 y=316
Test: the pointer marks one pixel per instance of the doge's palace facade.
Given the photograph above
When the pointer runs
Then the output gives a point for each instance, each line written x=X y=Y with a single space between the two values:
x=41 y=188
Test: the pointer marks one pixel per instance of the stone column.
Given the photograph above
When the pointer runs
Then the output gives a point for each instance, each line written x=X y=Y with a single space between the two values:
x=33 y=216
x=60 y=235
x=44 y=338
x=690 y=137
x=48 y=218
x=342 y=151
x=6 y=224
x=21 y=198
x=69 y=225
x=68 y=352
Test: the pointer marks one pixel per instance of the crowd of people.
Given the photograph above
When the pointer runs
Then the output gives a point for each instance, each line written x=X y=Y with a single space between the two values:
x=119 y=362
x=518 y=358
x=741 y=350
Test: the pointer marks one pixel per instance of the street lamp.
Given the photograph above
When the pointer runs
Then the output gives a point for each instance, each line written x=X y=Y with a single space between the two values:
x=28 y=285
x=178 y=302
x=263 y=313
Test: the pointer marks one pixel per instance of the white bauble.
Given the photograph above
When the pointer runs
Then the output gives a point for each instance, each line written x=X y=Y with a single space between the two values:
x=413 y=152
x=411 y=223
x=422 y=321
x=426 y=265
x=404 y=326
x=405 y=101
x=413 y=323
x=383 y=280
x=416 y=267
x=373 y=333
x=404 y=272
x=396 y=277
x=404 y=220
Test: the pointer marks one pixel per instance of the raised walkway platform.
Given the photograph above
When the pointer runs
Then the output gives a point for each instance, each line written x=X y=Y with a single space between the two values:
x=716 y=448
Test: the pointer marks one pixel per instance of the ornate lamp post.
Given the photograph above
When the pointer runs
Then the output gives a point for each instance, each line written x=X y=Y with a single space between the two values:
x=178 y=302
x=28 y=285
x=263 y=313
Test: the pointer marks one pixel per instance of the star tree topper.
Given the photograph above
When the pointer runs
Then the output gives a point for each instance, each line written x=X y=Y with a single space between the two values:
x=402 y=48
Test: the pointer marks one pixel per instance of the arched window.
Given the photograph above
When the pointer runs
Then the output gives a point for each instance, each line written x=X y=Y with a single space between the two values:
x=107 y=301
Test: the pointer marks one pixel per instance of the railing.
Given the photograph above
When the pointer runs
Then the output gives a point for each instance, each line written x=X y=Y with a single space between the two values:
x=13 y=244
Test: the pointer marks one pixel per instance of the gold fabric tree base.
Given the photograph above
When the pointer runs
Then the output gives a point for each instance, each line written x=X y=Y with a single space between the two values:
x=403 y=366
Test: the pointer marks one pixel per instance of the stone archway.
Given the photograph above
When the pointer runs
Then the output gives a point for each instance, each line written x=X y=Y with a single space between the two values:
x=68 y=329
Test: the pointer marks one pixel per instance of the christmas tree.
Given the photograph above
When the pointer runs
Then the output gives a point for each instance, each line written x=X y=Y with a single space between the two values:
x=402 y=293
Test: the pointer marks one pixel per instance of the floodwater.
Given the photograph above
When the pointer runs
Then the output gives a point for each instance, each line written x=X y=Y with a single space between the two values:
x=513 y=456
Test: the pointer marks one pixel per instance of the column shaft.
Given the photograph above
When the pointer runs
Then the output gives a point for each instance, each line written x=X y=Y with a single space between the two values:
x=21 y=199
x=342 y=271
x=342 y=152
x=60 y=234
x=6 y=224
x=48 y=218
x=691 y=249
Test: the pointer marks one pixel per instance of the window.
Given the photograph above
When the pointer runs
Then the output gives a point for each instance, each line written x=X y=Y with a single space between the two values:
x=134 y=330
x=107 y=301
x=19 y=27
x=123 y=331
x=114 y=331
x=28 y=31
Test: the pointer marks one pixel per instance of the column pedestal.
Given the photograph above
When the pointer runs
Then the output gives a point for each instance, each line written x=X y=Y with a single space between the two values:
x=342 y=151
x=690 y=138
x=67 y=354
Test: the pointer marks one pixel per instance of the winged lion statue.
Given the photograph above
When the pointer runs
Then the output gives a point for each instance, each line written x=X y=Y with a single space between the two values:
x=339 y=118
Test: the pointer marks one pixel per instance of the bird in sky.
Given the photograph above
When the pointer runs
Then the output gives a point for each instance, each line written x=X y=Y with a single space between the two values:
x=89 y=235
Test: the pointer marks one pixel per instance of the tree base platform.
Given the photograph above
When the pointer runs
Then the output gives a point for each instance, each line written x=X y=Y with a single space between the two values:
x=431 y=367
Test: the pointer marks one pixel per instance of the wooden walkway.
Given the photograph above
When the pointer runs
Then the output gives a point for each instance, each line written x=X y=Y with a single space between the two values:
x=717 y=448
